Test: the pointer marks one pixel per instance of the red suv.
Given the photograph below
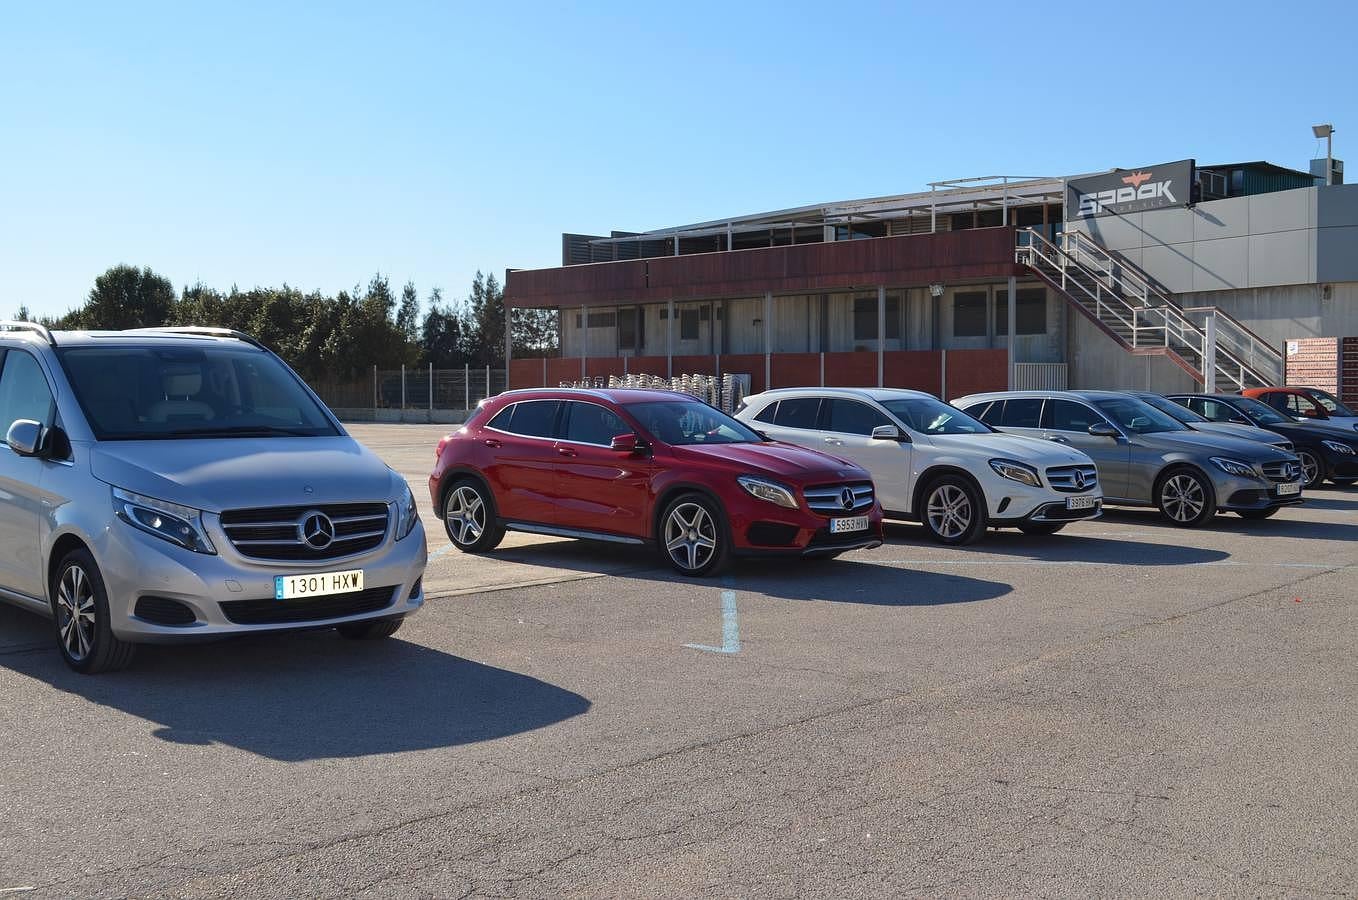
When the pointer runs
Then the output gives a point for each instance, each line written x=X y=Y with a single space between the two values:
x=645 y=467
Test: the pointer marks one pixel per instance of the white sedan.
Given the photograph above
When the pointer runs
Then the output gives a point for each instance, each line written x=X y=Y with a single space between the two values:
x=933 y=463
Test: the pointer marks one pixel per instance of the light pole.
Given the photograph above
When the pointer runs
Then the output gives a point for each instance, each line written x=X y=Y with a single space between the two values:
x=1326 y=132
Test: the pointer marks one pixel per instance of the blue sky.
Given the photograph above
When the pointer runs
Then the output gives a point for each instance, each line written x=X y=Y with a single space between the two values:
x=256 y=144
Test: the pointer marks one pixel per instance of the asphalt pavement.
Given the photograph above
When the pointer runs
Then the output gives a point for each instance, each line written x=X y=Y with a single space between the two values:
x=1125 y=708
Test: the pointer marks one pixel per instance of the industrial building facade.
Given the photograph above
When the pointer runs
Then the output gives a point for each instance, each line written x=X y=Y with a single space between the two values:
x=1128 y=278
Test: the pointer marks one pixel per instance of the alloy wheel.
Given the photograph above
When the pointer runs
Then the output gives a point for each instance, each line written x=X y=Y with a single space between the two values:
x=75 y=612
x=690 y=536
x=949 y=511
x=1310 y=468
x=1183 y=498
x=465 y=515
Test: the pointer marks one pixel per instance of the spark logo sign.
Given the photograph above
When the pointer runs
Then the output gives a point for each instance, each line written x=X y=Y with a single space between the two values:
x=1122 y=191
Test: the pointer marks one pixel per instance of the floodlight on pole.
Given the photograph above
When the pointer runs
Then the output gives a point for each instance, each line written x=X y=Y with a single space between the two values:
x=1326 y=131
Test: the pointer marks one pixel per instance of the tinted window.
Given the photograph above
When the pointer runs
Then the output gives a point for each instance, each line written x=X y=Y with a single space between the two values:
x=1134 y=416
x=24 y=393
x=1025 y=412
x=801 y=412
x=1330 y=402
x=1277 y=401
x=683 y=422
x=531 y=418
x=852 y=417
x=589 y=423
x=1259 y=412
x=987 y=412
x=1170 y=408
x=968 y=314
x=766 y=414
x=1066 y=415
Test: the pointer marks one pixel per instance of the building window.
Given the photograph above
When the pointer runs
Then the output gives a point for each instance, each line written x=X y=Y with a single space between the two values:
x=631 y=329
x=1030 y=313
x=688 y=324
x=599 y=320
x=968 y=314
x=865 y=318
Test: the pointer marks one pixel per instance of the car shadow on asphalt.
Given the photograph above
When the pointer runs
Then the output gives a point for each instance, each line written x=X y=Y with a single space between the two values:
x=843 y=580
x=301 y=696
x=1068 y=548
x=1233 y=524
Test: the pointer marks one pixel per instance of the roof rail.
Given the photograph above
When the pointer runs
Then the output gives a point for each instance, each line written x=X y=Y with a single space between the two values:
x=30 y=326
x=202 y=330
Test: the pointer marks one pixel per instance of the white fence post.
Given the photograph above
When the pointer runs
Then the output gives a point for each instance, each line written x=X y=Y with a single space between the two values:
x=403 y=387
x=431 y=392
x=466 y=386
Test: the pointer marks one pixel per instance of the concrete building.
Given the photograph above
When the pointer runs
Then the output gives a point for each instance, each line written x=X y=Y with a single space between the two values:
x=1167 y=277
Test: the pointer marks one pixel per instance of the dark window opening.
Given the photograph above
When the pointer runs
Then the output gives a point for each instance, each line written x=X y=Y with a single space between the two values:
x=688 y=324
x=1030 y=311
x=865 y=318
x=968 y=314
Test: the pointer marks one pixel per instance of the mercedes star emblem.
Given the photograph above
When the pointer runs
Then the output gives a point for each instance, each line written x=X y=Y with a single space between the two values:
x=316 y=530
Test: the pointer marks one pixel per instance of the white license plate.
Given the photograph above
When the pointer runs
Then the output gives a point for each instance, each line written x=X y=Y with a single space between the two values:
x=1081 y=502
x=841 y=526
x=317 y=584
x=1291 y=488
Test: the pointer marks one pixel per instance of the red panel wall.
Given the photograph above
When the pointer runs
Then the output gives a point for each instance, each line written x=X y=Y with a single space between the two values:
x=603 y=366
x=795 y=370
x=855 y=369
x=648 y=365
x=918 y=370
x=563 y=369
x=751 y=364
x=695 y=365
x=525 y=373
x=972 y=371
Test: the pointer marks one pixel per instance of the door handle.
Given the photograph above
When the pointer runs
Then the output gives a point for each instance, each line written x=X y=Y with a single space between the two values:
x=836 y=441
x=566 y=451
x=491 y=442
x=1058 y=438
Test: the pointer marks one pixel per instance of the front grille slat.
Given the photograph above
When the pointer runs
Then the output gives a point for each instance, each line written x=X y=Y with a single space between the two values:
x=828 y=499
x=1067 y=478
x=272 y=533
x=1282 y=472
x=307 y=609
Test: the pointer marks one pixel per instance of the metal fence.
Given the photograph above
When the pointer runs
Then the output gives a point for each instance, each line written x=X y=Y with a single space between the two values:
x=725 y=392
x=412 y=393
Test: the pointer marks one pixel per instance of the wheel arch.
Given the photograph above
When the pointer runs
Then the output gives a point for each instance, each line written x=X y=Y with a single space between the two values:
x=456 y=474
x=671 y=491
x=927 y=478
x=61 y=546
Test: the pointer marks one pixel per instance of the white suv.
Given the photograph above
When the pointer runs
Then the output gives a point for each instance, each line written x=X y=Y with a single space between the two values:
x=933 y=463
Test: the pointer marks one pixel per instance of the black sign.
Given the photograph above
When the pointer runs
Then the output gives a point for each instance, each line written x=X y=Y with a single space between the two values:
x=1130 y=190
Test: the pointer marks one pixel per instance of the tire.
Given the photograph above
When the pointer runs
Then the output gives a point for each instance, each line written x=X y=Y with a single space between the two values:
x=373 y=630
x=693 y=536
x=469 y=517
x=81 y=617
x=1185 y=498
x=953 y=510
x=1312 y=469
x=1041 y=527
x=1258 y=513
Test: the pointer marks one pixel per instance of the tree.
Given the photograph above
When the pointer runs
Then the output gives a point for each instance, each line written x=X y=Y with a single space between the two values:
x=125 y=297
x=486 y=312
x=23 y=315
x=408 y=315
x=442 y=335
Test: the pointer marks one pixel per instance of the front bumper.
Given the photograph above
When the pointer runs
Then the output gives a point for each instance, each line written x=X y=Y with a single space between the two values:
x=1244 y=494
x=218 y=589
x=1053 y=511
x=759 y=528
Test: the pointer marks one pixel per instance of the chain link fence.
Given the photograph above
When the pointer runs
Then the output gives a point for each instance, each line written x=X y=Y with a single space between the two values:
x=411 y=394
x=725 y=392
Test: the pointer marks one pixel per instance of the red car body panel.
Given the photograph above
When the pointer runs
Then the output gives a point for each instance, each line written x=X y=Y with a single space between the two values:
x=589 y=488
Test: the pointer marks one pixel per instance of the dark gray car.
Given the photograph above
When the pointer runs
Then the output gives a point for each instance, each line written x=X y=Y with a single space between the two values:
x=1147 y=458
x=1204 y=424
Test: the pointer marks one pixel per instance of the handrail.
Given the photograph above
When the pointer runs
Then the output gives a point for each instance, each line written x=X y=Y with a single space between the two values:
x=39 y=328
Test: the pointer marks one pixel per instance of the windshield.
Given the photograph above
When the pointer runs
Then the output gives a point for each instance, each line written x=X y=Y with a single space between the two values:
x=1260 y=412
x=1137 y=417
x=680 y=422
x=1330 y=402
x=1172 y=409
x=929 y=416
x=143 y=393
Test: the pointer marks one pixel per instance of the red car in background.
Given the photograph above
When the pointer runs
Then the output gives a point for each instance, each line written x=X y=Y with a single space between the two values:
x=645 y=467
x=1306 y=403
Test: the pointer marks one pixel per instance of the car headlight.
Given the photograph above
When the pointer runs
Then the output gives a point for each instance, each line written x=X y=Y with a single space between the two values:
x=772 y=491
x=1016 y=471
x=1234 y=467
x=182 y=525
x=1339 y=447
x=407 y=514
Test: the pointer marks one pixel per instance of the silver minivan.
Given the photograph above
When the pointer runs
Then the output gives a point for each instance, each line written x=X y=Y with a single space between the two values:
x=184 y=484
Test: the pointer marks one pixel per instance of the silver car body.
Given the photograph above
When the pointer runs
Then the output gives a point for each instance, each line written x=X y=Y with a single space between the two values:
x=50 y=506
x=1130 y=464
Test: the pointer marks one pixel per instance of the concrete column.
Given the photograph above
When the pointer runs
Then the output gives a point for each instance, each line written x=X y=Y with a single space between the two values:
x=669 y=340
x=1209 y=355
x=509 y=350
x=768 y=339
x=584 y=338
x=881 y=334
x=1012 y=326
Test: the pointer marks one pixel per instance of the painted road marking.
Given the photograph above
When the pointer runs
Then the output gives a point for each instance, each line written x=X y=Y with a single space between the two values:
x=730 y=626
x=1081 y=562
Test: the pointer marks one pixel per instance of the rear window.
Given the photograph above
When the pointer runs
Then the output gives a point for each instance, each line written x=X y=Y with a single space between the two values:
x=1022 y=413
x=530 y=418
x=766 y=414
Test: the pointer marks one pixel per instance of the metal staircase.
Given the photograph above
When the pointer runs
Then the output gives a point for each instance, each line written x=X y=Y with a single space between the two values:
x=1127 y=305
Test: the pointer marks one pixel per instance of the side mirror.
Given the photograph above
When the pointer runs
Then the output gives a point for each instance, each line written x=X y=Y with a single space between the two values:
x=886 y=433
x=25 y=437
x=623 y=443
x=1103 y=429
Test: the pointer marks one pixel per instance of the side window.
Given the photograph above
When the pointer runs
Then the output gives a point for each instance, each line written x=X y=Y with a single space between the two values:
x=1024 y=412
x=24 y=393
x=852 y=417
x=589 y=423
x=767 y=413
x=801 y=412
x=531 y=418
x=1305 y=406
x=988 y=412
x=1065 y=415
x=1277 y=401
x=1211 y=409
